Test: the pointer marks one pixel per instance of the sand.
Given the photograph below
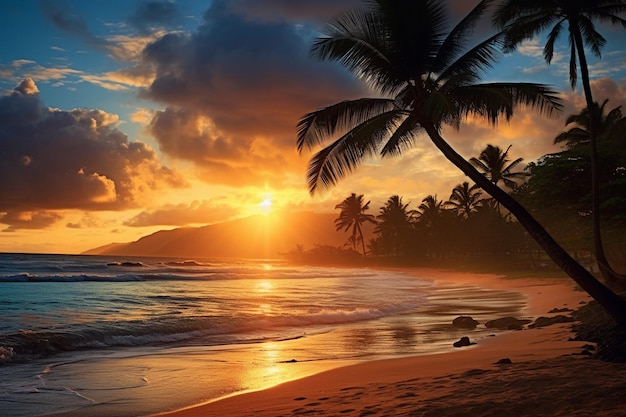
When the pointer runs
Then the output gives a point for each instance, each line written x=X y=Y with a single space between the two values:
x=547 y=375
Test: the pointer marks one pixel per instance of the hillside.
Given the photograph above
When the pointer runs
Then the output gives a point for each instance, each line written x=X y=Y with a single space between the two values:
x=251 y=237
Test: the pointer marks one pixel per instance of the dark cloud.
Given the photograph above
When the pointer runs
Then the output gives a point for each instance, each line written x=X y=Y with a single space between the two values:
x=188 y=135
x=152 y=15
x=54 y=159
x=276 y=10
x=251 y=78
x=69 y=21
x=29 y=220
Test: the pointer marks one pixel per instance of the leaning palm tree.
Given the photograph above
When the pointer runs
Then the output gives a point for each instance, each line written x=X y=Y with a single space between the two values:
x=426 y=77
x=523 y=19
x=464 y=200
x=352 y=216
x=495 y=165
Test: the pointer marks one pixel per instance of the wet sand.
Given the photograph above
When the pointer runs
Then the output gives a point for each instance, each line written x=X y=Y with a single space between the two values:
x=526 y=372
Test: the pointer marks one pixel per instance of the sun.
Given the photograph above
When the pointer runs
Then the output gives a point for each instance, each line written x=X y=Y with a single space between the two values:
x=266 y=203
x=265 y=206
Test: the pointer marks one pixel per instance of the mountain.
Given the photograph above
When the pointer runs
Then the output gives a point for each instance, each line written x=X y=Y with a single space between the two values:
x=259 y=236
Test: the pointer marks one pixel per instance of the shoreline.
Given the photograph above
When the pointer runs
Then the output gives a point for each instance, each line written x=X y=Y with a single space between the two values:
x=371 y=387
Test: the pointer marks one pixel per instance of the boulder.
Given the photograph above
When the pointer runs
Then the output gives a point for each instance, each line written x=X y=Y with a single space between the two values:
x=465 y=322
x=506 y=323
x=548 y=321
x=464 y=341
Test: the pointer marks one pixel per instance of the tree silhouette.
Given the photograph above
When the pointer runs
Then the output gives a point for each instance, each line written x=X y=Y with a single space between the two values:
x=495 y=165
x=609 y=126
x=352 y=216
x=464 y=200
x=426 y=78
x=394 y=223
x=523 y=19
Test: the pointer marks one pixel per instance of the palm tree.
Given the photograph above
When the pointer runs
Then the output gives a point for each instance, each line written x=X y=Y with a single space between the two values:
x=524 y=19
x=394 y=222
x=464 y=200
x=608 y=126
x=353 y=215
x=495 y=165
x=426 y=78
x=430 y=210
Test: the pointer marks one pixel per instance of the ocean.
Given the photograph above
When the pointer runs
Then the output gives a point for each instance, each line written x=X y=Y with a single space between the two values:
x=126 y=336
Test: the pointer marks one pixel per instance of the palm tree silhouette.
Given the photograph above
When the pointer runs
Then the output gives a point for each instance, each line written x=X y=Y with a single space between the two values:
x=495 y=165
x=608 y=125
x=464 y=200
x=394 y=222
x=353 y=215
x=524 y=19
x=426 y=77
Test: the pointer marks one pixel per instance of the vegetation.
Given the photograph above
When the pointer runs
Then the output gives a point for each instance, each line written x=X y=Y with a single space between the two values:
x=426 y=77
x=353 y=216
x=523 y=19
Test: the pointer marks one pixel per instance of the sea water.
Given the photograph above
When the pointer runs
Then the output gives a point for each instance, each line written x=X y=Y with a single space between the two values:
x=118 y=336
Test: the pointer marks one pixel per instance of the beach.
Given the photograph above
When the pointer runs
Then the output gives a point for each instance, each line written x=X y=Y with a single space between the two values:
x=529 y=372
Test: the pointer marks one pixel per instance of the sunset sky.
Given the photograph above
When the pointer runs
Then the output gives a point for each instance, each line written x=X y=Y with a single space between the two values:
x=119 y=118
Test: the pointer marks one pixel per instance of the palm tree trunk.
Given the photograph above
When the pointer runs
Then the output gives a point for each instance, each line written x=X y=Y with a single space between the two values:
x=609 y=274
x=362 y=240
x=612 y=303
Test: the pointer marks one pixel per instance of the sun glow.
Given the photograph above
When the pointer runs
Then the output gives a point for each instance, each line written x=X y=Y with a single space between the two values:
x=266 y=204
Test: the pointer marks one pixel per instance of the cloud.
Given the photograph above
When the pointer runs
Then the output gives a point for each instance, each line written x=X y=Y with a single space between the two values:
x=54 y=159
x=29 y=220
x=151 y=15
x=277 y=10
x=234 y=91
x=196 y=212
x=65 y=18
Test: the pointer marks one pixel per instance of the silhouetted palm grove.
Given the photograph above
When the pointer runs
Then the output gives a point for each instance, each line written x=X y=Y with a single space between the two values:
x=425 y=75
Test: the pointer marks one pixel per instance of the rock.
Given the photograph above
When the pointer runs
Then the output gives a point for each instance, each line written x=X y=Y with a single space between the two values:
x=548 y=321
x=504 y=361
x=464 y=341
x=507 y=323
x=560 y=310
x=465 y=322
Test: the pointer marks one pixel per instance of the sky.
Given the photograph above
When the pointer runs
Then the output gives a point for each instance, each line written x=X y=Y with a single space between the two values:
x=119 y=118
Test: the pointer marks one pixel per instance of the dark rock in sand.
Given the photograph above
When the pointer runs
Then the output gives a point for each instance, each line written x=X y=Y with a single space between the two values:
x=465 y=322
x=548 y=321
x=507 y=323
x=560 y=310
x=504 y=361
x=464 y=341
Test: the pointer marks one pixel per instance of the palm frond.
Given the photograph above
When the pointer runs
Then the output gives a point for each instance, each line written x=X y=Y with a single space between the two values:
x=316 y=127
x=342 y=156
x=456 y=39
x=590 y=36
x=492 y=100
x=467 y=68
x=401 y=139
x=548 y=50
x=357 y=40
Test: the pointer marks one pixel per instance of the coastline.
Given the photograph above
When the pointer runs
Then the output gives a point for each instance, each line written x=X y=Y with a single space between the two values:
x=438 y=384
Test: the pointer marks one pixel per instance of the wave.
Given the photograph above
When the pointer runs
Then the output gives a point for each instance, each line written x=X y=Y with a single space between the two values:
x=218 y=330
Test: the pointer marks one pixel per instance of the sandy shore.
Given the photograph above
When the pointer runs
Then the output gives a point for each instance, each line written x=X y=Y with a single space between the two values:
x=546 y=376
